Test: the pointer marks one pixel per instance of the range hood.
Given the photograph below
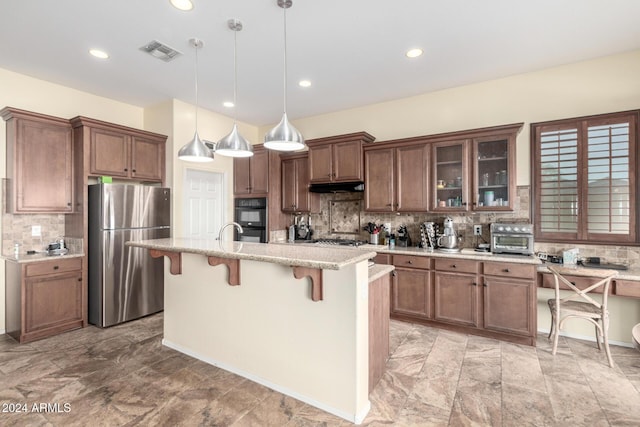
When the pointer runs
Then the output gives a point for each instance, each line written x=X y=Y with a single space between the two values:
x=338 y=187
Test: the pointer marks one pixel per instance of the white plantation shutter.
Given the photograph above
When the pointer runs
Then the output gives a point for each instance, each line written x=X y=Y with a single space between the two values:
x=608 y=176
x=558 y=202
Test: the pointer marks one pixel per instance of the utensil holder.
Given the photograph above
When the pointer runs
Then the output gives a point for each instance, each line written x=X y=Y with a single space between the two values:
x=374 y=238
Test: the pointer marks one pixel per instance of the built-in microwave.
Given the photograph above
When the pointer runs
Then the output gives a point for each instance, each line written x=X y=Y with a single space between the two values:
x=251 y=214
x=512 y=239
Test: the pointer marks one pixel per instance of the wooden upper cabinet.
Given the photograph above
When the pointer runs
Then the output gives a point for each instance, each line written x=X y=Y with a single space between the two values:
x=39 y=163
x=396 y=178
x=347 y=161
x=379 y=187
x=123 y=152
x=251 y=174
x=320 y=164
x=337 y=158
x=147 y=158
x=295 y=185
x=412 y=177
x=109 y=153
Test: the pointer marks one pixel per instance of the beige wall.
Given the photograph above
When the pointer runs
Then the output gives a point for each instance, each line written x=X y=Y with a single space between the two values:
x=598 y=86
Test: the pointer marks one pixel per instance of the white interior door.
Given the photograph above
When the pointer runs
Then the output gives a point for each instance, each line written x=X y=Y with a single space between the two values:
x=204 y=210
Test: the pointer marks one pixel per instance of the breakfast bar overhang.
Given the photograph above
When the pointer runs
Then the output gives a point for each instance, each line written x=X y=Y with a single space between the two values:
x=256 y=310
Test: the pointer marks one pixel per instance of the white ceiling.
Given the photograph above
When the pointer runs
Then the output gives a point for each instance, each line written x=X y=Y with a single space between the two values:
x=352 y=50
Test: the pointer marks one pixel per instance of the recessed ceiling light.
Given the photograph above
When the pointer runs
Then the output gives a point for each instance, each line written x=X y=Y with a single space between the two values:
x=304 y=83
x=228 y=104
x=414 y=53
x=182 y=4
x=99 y=53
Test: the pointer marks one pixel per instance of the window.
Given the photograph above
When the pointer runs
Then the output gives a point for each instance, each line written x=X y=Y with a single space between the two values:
x=584 y=177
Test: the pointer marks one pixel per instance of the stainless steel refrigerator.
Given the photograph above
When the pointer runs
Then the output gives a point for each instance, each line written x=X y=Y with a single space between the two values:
x=125 y=283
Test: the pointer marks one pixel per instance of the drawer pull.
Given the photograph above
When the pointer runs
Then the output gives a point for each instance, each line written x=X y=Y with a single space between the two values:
x=409 y=262
x=486 y=284
x=453 y=266
x=506 y=270
x=55 y=267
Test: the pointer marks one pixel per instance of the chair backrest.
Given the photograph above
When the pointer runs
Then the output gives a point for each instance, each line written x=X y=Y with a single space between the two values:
x=605 y=277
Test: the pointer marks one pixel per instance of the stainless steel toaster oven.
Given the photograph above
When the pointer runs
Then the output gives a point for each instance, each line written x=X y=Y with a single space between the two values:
x=514 y=239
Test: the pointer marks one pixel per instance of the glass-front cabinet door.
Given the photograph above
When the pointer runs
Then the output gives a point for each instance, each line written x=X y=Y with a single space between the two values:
x=493 y=180
x=450 y=176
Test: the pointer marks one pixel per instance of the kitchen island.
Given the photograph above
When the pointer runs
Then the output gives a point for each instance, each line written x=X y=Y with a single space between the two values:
x=294 y=319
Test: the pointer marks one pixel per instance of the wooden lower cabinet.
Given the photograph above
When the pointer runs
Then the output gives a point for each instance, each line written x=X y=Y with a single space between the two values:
x=491 y=299
x=509 y=306
x=44 y=298
x=411 y=292
x=456 y=298
x=378 y=328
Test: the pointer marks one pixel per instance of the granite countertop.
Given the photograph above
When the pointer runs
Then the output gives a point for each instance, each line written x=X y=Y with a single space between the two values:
x=38 y=257
x=632 y=274
x=463 y=254
x=292 y=255
x=378 y=270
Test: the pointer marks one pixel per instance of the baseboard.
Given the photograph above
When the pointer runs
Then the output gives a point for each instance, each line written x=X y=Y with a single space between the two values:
x=591 y=338
x=2 y=332
x=356 y=419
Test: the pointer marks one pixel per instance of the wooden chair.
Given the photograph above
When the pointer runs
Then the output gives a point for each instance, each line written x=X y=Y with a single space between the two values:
x=635 y=333
x=585 y=308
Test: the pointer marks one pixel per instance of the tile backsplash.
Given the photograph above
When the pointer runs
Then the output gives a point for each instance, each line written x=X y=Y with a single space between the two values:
x=347 y=212
x=17 y=229
x=342 y=211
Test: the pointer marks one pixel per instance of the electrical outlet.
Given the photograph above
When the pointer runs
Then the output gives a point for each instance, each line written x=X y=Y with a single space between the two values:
x=477 y=230
x=36 y=230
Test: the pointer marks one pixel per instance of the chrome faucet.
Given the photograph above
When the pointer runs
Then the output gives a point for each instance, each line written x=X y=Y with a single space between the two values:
x=238 y=227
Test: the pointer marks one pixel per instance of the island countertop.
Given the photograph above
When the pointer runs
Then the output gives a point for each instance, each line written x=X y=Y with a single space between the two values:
x=307 y=256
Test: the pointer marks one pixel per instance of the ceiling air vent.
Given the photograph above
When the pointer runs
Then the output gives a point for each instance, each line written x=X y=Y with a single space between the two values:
x=160 y=51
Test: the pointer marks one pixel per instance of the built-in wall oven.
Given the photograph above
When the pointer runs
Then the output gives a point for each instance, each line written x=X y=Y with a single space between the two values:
x=512 y=239
x=251 y=214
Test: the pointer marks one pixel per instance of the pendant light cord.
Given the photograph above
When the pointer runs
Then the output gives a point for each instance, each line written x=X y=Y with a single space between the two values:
x=196 y=44
x=235 y=73
x=284 y=11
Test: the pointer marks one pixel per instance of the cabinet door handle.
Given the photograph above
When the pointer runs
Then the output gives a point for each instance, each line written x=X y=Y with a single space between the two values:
x=474 y=283
x=485 y=284
x=393 y=273
x=68 y=204
x=133 y=170
x=79 y=279
x=464 y=203
x=125 y=169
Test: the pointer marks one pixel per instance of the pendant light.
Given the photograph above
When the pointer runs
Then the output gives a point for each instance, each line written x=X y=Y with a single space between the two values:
x=284 y=137
x=234 y=145
x=196 y=150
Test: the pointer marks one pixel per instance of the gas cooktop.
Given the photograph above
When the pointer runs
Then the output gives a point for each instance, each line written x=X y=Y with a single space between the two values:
x=339 y=242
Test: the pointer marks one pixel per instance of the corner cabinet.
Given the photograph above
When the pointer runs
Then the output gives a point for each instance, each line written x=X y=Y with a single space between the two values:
x=296 y=197
x=122 y=152
x=251 y=174
x=337 y=158
x=39 y=163
x=45 y=298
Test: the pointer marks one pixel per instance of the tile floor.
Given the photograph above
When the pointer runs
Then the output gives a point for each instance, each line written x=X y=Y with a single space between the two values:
x=124 y=376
